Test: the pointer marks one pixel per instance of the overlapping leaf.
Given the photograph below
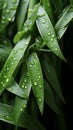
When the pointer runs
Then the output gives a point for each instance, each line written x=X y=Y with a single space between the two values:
x=12 y=62
x=25 y=84
x=26 y=121
x=49 y=70
x=63 y=22
x=28 y=24
x=48 y=35
x=23 y=5
x=35 y=72
x=9 y=11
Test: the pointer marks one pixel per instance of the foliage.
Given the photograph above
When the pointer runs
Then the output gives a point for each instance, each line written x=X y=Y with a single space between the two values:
x=31 y=39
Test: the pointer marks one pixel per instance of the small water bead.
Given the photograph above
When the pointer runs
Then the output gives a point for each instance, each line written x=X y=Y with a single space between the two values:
x=47 y=27
x=21 y=109
x=25 y=81
x=27 y=43
x=52 y=39
x=44 y=21
x=30 y=23
x=30 y=66
x=40 y=86
x=24 y=106
x=56 y=49
x=7 y=68
x=5 y=76
x=9 y=19
x=12 y=63
x=35 y=83
x=5 y=5
x=7 y=11
x=14 y=58
x=1 y=83
x=49 y=33
x=25 y=87
x=7 y=80
x=53 y=35
x=32 y=62
x=22 y=86
x=3 y=17
x=40 y=100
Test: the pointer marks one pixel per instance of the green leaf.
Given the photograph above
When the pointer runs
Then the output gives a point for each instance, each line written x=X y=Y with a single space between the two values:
x=71 y=1
x=14 y=88
x=48 y=35
x=9 y=11
x=28 y=24
x=49 y=70
x=26 y=121
x=25 y=84
x=63 y=22
x=36 y=76
x=48 y=8
x=1 y=4
x=49 y=98
x=12 y=62
x=58 y=5
x=23 y=5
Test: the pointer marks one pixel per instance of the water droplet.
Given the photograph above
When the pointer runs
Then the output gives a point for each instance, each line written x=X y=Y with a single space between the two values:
x=39 y=76
x=40 y=100
x=44 y=21
x=30 y=23
x=5 y=76
x=53 y=35
x=49 y=33
x=32 y=62
x=7 y=80
x=3 y=21
x=1 y=83
x=5 y=5
x=25 y=81
x=40 y=86
x=12 y=63
x=35 y=83
x=26 y=43
x=7 y=68
x=25 y=87
x=52 y=39
x=21 y=109
x=56 y=49
x=9 y=19
x=47 y=26
x=22 y=86
x=30 y=66
x=14 y=58
x=24 y=106
x=3 y=17
x=14 y=7
x=7 y=11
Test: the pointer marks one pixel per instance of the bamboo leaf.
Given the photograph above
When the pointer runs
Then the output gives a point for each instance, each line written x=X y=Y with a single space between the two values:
x=63 y=22
x=48 y=35
x=1 y=4
x=36 y=76
x=12 y=62
x=58 y=5
x=22 y=13
x=71 y=1
x=49 y=70
x=28 y=24
x=26 y=121
x=25 y=85
x=48 y=8
x=9 y=11
x=49 y=98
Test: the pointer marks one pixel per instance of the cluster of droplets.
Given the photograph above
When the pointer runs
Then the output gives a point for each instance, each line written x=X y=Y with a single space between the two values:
x=7 y=11
x=6 y=116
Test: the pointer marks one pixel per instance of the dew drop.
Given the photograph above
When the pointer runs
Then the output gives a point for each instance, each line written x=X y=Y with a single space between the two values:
x=53 y=35
x=21 y=109
x=24 y=106
x=40 y=86
x=5 y=76
x=35 y=83
x=14 y=58
x=7 y=68
x=52 y=39
x=49 y=33
x=1 y=83
x=47 y=27
x=44 y=21
x=3 y=21
x=7 y=80
x=56 y=49
x=5 y=5
x=7 y=11
x=9 y=19
x=40 y=100
x=12 y=63
x=3 y=17
x=30 y=66
x=32 y=62
x=22 y=86
x=25 y=81
x=25 y=87
x=26 y=43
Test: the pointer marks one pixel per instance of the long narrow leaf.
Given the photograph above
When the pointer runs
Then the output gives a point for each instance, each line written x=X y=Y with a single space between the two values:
x=36 y=76
x=28 y=24
x=12 y=62
x=9 y=11
x=48 y=35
